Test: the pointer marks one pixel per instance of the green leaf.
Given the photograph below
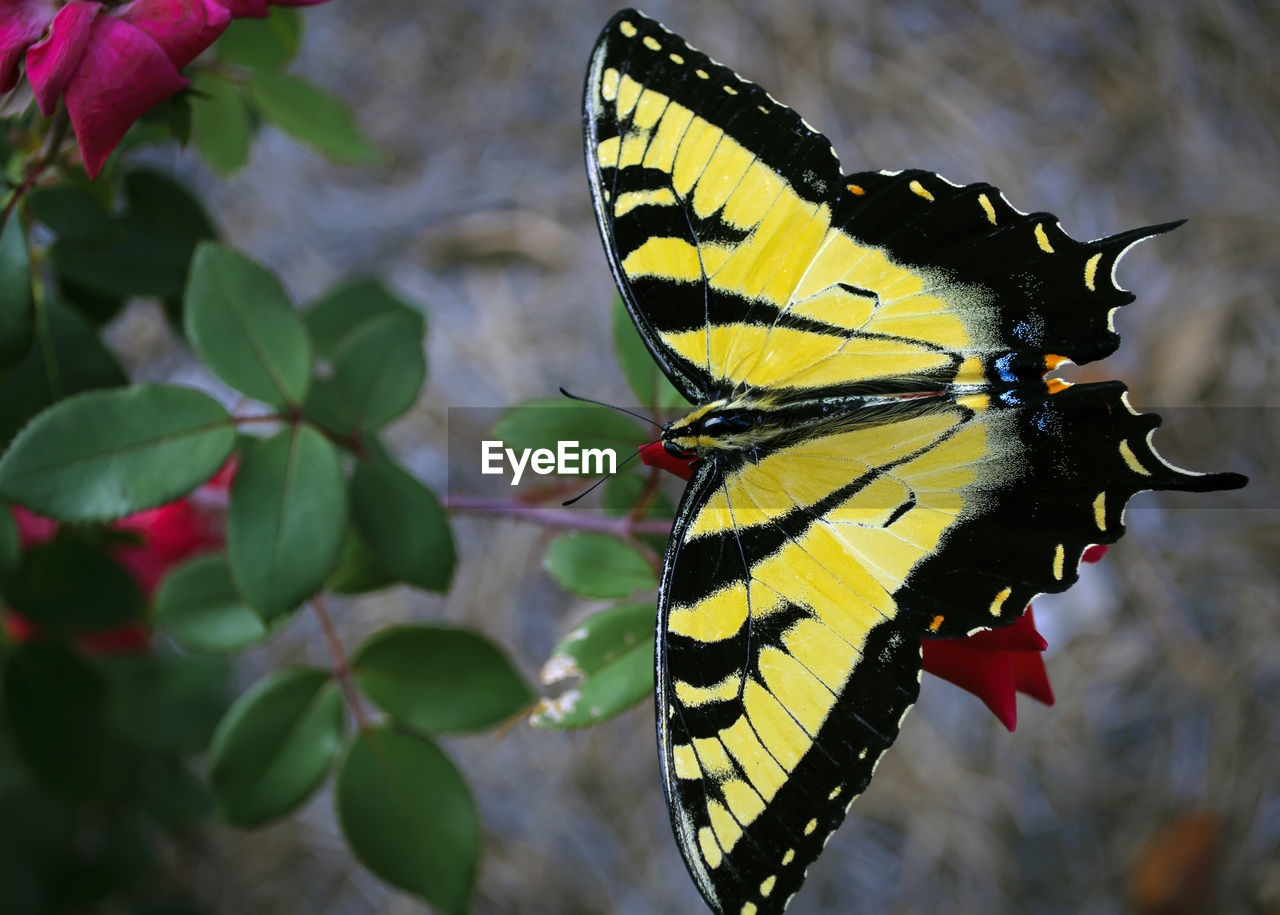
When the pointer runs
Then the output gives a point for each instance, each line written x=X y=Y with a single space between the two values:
x=623 y=491
x=68 y=584
x=57 y=706
x=439 y=678
x=17 y=305
x=261 y=43
x=345 y=309
x=198 y=604
x=646 y=380
x=161 y=227
x=67 y=358
x=358 y=570
x=220 y=123
x=104 y=454
x=409 y=817
x=378 y=372
x=286 y=520
x=313 y=115
x=611 y=654
x=10 y=542
x=74 y=214
x=274 y=746
x=402 y=523
x=166 y=703
x=597 y=565
x=242 y=326
x=538 y=424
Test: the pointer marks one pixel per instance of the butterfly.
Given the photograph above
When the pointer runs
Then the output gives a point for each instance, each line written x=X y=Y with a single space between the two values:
x=883 y=453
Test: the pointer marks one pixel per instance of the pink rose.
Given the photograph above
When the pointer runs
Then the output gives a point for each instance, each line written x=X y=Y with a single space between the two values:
x=111 y=65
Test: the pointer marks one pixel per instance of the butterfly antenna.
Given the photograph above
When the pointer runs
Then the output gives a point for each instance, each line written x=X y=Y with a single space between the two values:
x=600 y=403
x=587 y=491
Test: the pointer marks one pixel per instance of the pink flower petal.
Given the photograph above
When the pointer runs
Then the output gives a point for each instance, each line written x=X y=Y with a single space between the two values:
x=122 y=75
x=52 y=63
x=170 y=534
x=183 y=28
x=22 y=22
x=242 y=8
x=33 y=530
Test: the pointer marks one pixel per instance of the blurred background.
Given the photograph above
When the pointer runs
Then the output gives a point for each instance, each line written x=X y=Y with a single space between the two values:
x=1158 y=764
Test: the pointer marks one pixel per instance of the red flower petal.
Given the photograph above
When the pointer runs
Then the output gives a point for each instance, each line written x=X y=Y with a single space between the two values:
x=1030 y=677
x=18 y=628
x=131 y=639
x=994 y=666
x=986 y=674
x=182 y=28
x=52 y=62
x=122 y=75
x=170 y=534
x=655 y=455
x=22 y=22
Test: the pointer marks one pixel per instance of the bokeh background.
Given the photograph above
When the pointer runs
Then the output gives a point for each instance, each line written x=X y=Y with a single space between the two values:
x=1165 y=658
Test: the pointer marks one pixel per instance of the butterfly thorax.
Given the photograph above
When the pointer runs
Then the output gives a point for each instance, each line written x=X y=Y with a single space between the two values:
x=748 y=423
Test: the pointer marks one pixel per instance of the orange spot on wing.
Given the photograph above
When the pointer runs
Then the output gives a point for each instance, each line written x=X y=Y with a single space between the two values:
x=936 y=624
x=1057 y=384
x=1051 y=362
x=857 y=189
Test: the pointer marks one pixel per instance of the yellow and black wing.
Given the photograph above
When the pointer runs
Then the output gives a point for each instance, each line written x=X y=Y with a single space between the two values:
x=802 y=573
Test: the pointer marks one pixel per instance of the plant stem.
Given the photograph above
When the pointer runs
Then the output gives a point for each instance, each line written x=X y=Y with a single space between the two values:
x=560 y=518
x=57 y=133
x=341 y=668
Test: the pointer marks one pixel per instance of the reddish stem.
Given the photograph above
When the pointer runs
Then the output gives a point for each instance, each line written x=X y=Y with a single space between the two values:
x=341 y=667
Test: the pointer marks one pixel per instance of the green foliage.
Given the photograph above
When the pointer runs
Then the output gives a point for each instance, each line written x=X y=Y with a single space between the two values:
x=606 y=664
x=199 y=606
x=274 y=747
x=17 y=305
x=66 y=358
x=543 y=423
x=286 y=520
x=70 y=584
x=261 y=43
x=220 y=124
x=104 y=454
x=342 y=311
x=409 y=816
x=597 y=565
x=148 y=249
x=439 y=679
x=377 y=373
x=402 y=524
x=74 y=214
x=58 y=707
x=644 y=377
x=313 y=115
x=99 y=718
x=242 y=326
